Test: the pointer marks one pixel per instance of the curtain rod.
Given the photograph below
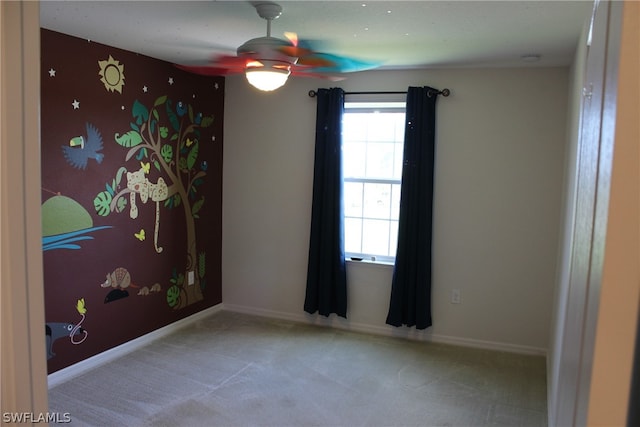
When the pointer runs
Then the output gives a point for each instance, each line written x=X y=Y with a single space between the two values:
x=443 y=92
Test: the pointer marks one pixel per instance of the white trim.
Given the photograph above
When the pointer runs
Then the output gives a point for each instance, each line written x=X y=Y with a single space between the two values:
x=83 y=366
x=407 y=333
x=112 y=354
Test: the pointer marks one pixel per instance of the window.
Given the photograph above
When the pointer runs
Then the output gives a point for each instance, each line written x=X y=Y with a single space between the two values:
x=372 y=144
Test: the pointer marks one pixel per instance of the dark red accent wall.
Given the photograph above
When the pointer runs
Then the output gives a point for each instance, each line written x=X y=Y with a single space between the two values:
x=115 y=123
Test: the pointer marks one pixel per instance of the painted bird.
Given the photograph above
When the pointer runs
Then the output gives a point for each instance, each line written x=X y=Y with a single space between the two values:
x=81 y=149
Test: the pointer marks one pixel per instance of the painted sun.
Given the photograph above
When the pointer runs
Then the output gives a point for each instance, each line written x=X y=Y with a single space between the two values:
x=111 y=74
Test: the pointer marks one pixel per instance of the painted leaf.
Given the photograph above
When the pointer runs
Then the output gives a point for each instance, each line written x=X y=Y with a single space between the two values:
x=190 y=113
x=119 y=174
x=197 y=206
x=135 y=127
x=156 y=164
x=173 y=295
x=110 y=189
x=129 y=139
x=121 y=204
x=167 y=153
x=174 y=137
x=130 y=154
x=173 y=119
x=207 y=121
x=172 y=202
x=160 y=100
x=152 y=125
x=142 y=154
x=156 y=114
x=182 y=164
x=193 y=156
x=201 y=264
x=164 y=131
x=102 y=203
x=140 y=112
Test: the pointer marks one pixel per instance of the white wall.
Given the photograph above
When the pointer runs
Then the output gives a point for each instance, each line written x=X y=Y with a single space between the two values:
x=501 y=142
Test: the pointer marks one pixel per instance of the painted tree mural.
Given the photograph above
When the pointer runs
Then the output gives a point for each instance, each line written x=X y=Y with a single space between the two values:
x=166 y=137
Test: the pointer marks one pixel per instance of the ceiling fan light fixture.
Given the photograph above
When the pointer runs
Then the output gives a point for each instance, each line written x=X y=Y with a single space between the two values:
x=267 y=79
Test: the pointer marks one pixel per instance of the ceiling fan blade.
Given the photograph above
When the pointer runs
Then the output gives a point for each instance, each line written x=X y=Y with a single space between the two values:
x=315 y=61
x=294 y=51
x=217 y=66
x=329 y=63
x=311 y=55
x=209 y=70
x=292 y=37
x=331 y=77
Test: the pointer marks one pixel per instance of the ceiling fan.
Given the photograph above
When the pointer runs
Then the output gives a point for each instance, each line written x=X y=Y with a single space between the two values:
x=268 y=61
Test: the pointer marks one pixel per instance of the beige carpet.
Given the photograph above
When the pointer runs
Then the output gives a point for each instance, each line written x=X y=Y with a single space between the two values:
x=237 y=370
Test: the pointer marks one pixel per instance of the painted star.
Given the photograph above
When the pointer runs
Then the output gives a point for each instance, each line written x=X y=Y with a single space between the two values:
x=170 y=80
x=145 y=89
x=76 y=104
x=213 y=138
x=52 y=72
x=216 y=86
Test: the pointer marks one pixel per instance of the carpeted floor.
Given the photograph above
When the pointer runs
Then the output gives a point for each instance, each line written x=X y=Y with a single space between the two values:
x=232 y=369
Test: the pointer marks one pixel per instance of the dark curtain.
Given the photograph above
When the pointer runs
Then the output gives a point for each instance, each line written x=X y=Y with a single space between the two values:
x=411 y=286
x=326 y=272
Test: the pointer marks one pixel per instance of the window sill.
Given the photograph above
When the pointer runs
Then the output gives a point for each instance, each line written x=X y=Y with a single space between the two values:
x=387 y=264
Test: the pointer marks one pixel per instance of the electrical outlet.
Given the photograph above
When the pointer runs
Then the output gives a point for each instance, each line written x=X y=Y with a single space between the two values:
x=192 y=277
x=455 y=296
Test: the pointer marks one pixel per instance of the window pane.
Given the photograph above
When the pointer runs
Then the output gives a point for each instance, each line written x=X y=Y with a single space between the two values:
x=399 y=127
x=380 y=162
x=354 y=126
x=353 y=199
x=353 y=235
x=397 y=161
x=375 y=235
x=393 y=237
x=382 y=126
x=377 y=200
x=353 y=159
x=395 y=201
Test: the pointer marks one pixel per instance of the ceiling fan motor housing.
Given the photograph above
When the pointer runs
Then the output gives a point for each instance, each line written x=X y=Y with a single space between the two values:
x=266 y=48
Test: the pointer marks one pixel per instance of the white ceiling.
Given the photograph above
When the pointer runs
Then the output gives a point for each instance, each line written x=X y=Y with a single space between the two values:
x=398 y=34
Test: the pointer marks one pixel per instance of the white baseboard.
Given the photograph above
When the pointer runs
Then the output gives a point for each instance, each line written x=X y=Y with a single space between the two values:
x=86 y=365
x=386 y=330
x=83 y=366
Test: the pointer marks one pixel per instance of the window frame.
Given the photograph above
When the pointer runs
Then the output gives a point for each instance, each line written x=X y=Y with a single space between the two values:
x=372 y=107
